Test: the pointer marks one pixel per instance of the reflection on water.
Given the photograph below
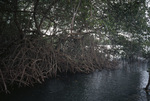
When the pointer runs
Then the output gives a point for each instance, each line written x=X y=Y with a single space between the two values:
x=124 y=84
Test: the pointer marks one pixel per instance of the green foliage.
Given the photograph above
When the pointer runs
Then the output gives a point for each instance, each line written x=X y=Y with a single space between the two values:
x=104 y=18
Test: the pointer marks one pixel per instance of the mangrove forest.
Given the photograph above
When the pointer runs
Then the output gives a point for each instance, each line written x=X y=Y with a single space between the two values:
x=41 y=39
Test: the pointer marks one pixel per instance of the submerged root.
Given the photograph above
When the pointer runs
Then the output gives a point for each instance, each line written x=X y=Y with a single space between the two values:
x=31 y=63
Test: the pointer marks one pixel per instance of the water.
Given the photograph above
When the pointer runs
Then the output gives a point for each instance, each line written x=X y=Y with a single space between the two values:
x=124 y=84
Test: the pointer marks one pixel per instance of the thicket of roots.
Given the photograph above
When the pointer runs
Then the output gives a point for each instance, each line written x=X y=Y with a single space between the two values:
x=31 y=61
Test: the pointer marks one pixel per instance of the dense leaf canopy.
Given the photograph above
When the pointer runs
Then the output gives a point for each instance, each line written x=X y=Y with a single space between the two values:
x=112 y=22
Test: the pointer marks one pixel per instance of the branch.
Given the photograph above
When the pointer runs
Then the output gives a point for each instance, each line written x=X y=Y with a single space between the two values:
x=16 y=20
x=5 y=86
x=53 y=3
x=74 y=15
x=34 y=14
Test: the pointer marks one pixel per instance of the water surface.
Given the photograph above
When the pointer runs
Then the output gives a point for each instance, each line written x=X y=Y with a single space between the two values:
x=124 y=84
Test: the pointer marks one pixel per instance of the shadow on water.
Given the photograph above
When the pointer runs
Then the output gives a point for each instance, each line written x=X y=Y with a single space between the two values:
x=124 y=84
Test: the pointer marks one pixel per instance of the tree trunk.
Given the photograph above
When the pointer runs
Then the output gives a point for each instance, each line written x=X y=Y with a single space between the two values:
x=148 y=82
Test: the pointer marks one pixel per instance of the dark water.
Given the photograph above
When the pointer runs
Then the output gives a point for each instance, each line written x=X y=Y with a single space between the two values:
x=125 y=84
